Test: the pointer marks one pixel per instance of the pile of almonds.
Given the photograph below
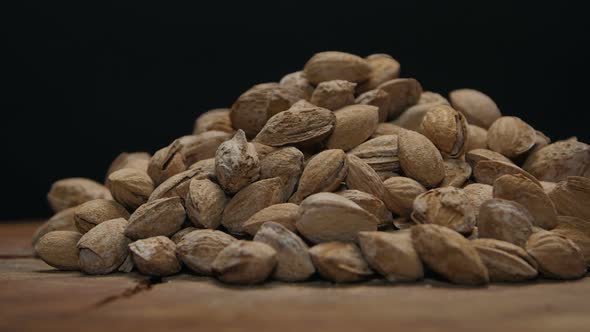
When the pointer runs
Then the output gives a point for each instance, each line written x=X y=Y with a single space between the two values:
x=343 y=169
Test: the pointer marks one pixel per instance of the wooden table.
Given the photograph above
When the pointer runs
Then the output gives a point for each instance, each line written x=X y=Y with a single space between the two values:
x=34 y=297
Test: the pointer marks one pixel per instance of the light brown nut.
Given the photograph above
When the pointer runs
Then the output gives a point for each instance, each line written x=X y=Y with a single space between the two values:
x=263 y=150
x=127 y=265
x=178 y=185
x=477 y=138
x=293 y=260
x=548 y=186
x=330 y=217
x=571 y=197
x=504 y=220
x=503 y=266
x=206 y=168
x=478 y=193
x=403 y=93
x=511 y=136
x=449 y=254
x=448 y=206
x=131 y=187
x=383 y=69
x=244 y=262
x=507 y=247
x=381 y=153
x=163 y=216
x=178 y=236
x=298 y=84
x=333 y=95
x=370 y=203
x=578 y=231
x=340 y=262
x=447 y=129
x=420 y=159
x=557 y=256
x=166 y=163
x=478 y=108
x=377 y=98
x=300 y=125
x=236 y=163
x=254 y=107
x=215 y=119
x=61 y=221
x=487 y=171
x=401 y=192
x=364 y=178
x=354 y=125
x=411 y=118
x=392 y=255
x=521 y=189
x=285 y=163
x=387 y=128
x=71 y=192
x=555 y=162
x=324 y=172
x=205 y=203
x=58 y=249
x=250 y=200
x=155 y=256
x=137 y=160
x=327 y=66
x=285 y=214
x=476 y=155
x=384 y=175
x=457 y=172
x=94 y=212
x=104 y=248
x=202 y=146
x=198 y=249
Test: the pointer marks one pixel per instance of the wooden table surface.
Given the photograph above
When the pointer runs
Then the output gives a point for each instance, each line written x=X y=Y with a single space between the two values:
x=35 y=297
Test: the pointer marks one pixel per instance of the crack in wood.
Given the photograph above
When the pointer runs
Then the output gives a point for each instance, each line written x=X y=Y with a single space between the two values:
x=141 y=286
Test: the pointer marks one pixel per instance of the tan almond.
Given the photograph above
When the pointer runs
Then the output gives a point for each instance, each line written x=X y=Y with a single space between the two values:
x=361 y=176
x=557 y=256
x=477 y=138
x=505 y=220
x=71 y=192
x=158 y=217
x=354 y=125
x=478 y=193
x=178 y=236
x=511 y=136
x=411 y=118
x=324 y=172
x=285 y=163
x=202 y=146
x=301 y=125
x=327 y=66
x=236 y=163
x=155 y=256
x=387 y=128
x=61 y=221
x=378 y=98
x=403 y=93
x=137 y=160
x=131 y=187
x=58 y=249
x=487 y=171
x=503 y=266
x=178 y=185
x=293 y=259
x=521 y=189
x=334 y=94
x=578 y=231
x=245 y=262
x=571 y=197
x=329 y=217
x=285 y=214
x=457 y=172
x=92 y=213
x=198 y=249
x=298 y=84
x=250 y=200
x=478 y=108
x=392 y=255
x=205 y=203
x=215 y=119
x=449 y=254
x=166 y=163
x=507 y=247
x=448 y=206
x=340 y=262
x=381 y=153
x=383 y=68
x=401 y=192
x=370 y=203
x=447 y=129
x=420 y=159
x=104 y=248
x=555 y=162
x=476 y=155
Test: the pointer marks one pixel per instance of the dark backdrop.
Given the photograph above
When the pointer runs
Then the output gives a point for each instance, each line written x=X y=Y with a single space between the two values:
x=84 y=82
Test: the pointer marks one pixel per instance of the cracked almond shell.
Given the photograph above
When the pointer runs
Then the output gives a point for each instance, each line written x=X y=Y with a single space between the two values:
x=104 y=248
x=155 y=256
x=403 y=93
x=448 y=206
x=447 y=129
x=236 y=163
x=572 y=197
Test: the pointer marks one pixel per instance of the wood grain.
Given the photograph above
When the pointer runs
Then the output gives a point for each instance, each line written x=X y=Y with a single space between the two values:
x=33 y=296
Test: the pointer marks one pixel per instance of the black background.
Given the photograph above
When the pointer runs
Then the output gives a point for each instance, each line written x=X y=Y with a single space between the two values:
x=84 y=82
